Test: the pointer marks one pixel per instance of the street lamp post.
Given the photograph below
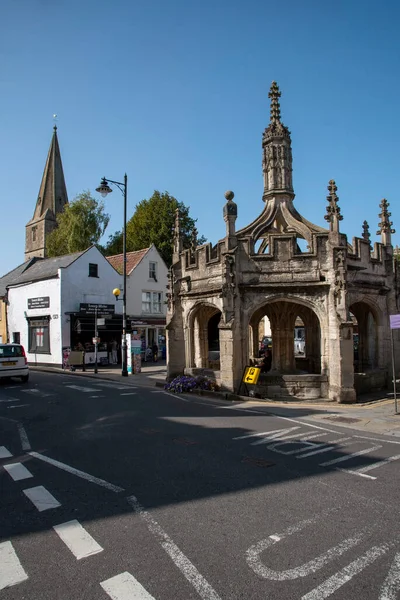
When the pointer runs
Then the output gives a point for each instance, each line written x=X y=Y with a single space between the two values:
x=105 y=189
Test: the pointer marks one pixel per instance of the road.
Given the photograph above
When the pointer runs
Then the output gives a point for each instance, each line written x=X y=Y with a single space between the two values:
x=110 y=491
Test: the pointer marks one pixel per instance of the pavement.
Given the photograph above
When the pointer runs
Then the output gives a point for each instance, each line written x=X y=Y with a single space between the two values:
x=373 y=413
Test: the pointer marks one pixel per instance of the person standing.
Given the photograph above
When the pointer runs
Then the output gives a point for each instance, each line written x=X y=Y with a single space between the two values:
x=114 y=348
x=155 y=352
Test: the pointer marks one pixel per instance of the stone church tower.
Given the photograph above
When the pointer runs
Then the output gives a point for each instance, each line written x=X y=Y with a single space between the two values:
x=51 y=201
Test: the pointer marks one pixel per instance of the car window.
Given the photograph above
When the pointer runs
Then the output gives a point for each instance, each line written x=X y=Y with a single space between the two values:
x=10 y=351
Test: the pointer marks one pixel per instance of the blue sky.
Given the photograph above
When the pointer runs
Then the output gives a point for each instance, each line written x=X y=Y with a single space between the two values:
x=176 y=94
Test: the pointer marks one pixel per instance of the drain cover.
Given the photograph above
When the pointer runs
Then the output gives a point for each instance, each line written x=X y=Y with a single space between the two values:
x=257 y=462
x=343 y=419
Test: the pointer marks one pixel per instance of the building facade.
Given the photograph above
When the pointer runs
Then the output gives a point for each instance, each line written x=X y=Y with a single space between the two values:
x=51 y=306
x=146 y=307
x=286 y=268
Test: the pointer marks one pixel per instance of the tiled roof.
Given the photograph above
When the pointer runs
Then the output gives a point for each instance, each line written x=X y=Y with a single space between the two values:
x=13 y=275
x=45 y=268
x=132 y=260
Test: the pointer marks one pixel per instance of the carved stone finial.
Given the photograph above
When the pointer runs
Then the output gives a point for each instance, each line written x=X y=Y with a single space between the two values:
x=366 y=234
x=229 y=195
x=177 y=237
x=333 y=215
x=274 y=95
x=193 y=239
x=385 y=226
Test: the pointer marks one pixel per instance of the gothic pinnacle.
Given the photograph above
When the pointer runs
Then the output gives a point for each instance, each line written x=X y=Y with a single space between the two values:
x=333 y=217
x=274 y=95
x=385 y=225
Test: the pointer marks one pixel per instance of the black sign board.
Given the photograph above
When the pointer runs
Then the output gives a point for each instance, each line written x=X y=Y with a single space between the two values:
x=102 y=309
x=42 y=302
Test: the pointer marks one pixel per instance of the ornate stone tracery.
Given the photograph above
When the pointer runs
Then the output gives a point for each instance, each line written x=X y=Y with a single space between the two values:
x=258 y=273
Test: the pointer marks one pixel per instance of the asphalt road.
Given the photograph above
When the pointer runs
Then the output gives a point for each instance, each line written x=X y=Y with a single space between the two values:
x=110 y=491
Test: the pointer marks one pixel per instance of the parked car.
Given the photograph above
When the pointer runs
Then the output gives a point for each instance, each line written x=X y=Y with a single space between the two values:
x=13 y=362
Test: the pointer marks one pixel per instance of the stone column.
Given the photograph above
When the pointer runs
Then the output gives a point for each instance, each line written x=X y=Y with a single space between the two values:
x=231 y=356
x=341 y=369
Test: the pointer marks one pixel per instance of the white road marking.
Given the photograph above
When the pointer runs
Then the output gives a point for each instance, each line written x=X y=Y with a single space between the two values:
x=96 y=396
x=355 y=472
x=335 y=582
x=379 y=463
x=253 y=554
x=364 y=437
x=35 y=392
x=4 y=453
x=30 y=391
x=188 y=569
x=125 y=587
x=18 y=405
x=391 y=585
x=116 y=387
x=271 y=434
x=129 y=394
x=78 y=540
x=41 y=498
x=348 y=456
x=81 y=388
x=301 y=439
x=18 y=471
x=10 y=400
x=23 y=437
x=77 y=472
x=11 y=571
x=327 y=447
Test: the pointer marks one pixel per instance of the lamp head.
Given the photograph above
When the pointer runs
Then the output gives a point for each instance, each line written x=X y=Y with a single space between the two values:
x=116 y=293
x=104 y=188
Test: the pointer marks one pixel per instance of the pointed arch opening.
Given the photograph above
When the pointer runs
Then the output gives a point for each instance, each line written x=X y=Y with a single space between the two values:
x=365 y=337
x=204 y=346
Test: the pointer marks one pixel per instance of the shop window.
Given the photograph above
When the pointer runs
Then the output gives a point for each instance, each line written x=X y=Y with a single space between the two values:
x=93 y=270
x=153 y=271
x=39 y=335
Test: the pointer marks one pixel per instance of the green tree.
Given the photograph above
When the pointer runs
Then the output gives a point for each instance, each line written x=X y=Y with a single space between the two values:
x=82 y=224
x=153 y=223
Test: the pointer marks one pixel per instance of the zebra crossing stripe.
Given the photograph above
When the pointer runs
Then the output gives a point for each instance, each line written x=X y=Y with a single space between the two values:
x=125 y=587
x=4 y=453
x=18 y=471
x=11 y=571
x=77 y=539
x=41 y=498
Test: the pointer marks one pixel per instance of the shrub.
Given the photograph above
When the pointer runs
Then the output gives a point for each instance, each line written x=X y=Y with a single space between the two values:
x=186 y=383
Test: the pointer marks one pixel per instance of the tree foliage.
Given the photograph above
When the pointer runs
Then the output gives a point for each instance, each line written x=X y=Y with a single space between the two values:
x=81 y=224
x=153 y=223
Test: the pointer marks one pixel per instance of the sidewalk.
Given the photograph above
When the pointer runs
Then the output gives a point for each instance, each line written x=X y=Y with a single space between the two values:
x=375 y=414
x=151 y=373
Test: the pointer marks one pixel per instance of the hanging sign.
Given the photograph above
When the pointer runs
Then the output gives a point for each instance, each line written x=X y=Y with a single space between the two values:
x=394 y=321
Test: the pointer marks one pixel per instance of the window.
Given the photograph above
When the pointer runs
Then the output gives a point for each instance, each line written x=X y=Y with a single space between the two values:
x=16 y=337
x=11 y=352
x=39 y=338
x=153 y=271
x=152 y=302
x=93 y=270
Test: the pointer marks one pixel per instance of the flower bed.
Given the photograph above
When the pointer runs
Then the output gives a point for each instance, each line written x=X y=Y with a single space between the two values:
x=186 y=383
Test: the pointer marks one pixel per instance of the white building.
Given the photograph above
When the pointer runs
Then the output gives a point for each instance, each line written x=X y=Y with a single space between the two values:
x=48 y=308
x=147 y=279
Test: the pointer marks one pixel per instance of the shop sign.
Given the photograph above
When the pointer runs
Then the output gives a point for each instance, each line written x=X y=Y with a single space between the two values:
x=102 y=309
x=41 y=302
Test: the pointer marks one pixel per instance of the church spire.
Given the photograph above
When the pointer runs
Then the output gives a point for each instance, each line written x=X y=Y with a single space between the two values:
x=52 y=192
x=277 y=151
x=51 y=201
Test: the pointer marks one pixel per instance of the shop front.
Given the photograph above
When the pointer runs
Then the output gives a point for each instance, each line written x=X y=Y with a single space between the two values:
x=151 y=332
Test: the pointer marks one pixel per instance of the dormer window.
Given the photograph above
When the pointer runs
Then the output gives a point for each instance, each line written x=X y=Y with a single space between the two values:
x=93 y=270
x=153 y=271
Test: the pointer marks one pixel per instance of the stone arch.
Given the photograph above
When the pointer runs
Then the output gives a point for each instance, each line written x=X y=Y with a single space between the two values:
x=282 y=313
x=365 y=334
x=203 y=336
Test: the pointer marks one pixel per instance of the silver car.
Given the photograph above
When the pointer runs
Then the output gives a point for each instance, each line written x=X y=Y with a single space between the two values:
x=13 y=362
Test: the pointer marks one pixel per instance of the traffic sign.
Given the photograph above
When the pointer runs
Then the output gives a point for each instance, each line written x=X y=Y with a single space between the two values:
x=251 y=375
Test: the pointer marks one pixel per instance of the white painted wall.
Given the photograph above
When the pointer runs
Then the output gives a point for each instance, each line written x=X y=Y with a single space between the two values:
x=72 y=286
x=139 y=281
x=18 y=307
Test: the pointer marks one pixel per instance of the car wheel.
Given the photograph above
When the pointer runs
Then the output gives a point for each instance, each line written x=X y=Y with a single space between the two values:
x=25 y=378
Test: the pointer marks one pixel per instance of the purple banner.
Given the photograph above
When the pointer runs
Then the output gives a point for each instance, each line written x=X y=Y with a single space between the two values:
x=394 y=321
